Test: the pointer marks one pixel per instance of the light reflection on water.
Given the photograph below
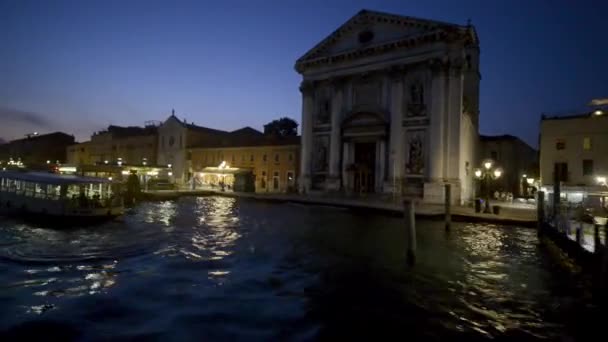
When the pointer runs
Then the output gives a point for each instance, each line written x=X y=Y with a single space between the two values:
x=275 y=272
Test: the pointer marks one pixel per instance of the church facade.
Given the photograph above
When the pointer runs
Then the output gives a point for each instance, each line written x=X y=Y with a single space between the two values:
x=390 y=105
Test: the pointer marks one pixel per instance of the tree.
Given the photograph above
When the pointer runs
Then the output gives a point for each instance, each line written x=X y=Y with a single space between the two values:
x=282 y=127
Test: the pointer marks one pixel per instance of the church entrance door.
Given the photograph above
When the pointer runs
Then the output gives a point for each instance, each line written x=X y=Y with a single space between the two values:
x=365 y=164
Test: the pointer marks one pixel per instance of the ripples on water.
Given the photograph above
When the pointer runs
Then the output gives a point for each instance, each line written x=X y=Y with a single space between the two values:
x=221 y=268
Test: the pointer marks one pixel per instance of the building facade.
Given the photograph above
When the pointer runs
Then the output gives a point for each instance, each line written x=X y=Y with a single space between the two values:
x=273 y=163
x=390 y=104
x=174 y=138
x=573 y=149
x=515 y=157
x=125 y=145
x=37 y=149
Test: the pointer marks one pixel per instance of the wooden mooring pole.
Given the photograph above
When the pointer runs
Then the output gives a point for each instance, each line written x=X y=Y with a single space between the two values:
x=540 y=212
x=410 y=229
x=448 y=208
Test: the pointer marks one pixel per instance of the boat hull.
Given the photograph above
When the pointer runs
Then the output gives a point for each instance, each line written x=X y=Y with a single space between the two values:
x=55 y=212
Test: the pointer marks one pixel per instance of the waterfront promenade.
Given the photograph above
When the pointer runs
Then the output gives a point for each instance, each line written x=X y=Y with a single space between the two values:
x=509 y=213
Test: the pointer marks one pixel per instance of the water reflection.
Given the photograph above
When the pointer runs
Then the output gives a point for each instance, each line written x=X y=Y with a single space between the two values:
x=217 y=231
x=214 y=268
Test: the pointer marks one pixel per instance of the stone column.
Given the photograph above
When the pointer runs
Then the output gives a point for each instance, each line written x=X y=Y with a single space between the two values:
x=333 y=182
x=345 y=162
x=396 y=144
x=453 y=124
x=382 y=164
x=306 y=144
x=437 y=124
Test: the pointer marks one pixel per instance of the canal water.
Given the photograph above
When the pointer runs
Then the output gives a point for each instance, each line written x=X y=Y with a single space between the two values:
x=215 y=268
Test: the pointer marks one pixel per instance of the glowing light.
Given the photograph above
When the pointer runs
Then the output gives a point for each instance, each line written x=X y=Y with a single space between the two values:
x=169 y=165
x=48 y=161
x=110 y=178
x=35 y=133
x=487 y=164
x=598 y=112
x=67 y=169
x=152 y=173
x=105 y=161
x=120 y=163
x=524 y=176
x=125 y=172
x=497 y=173
x=530 y=181
x=170 y=173
x=601 y=180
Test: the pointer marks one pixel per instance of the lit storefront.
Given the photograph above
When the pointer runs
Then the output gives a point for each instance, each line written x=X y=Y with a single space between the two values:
x=225 y=178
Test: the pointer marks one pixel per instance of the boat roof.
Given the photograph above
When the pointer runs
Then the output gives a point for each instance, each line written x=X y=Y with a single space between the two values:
x=52 y=178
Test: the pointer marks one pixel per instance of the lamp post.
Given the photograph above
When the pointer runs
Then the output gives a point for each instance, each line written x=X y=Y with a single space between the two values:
x=487 y=173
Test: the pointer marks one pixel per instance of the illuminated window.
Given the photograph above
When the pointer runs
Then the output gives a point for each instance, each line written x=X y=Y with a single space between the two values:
x=586 y=143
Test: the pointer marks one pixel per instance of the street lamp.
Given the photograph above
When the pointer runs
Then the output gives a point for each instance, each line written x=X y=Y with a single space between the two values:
x=488 y=173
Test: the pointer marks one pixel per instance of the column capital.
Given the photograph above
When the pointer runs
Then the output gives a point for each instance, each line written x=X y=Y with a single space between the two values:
x=438 y=66
x=456 y=66
x=306 y=87
x=337 y=82
x=396 y=73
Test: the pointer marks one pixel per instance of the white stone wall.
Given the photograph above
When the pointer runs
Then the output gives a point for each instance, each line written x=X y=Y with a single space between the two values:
x=172 y=147
x=468 y=157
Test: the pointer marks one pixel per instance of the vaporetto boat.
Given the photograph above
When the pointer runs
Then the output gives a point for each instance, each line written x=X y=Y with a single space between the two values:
x=33 y=195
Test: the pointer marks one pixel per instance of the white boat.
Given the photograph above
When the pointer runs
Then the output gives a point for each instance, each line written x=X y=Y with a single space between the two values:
x=62 y=198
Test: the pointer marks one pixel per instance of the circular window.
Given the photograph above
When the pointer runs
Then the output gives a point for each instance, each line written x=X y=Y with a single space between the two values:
x=171 y=141
x=366 y=37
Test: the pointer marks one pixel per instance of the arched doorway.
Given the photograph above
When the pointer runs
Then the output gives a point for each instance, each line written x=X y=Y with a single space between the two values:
x=364 y=136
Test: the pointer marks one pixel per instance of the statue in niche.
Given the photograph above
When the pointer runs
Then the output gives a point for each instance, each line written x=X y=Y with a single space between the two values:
x=324 y=112
x=320 y=155
x=417 y=93
x=416 y=106
x=415 y=163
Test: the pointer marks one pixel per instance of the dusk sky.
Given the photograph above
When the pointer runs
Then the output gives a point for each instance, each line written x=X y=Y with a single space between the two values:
x=78 y=66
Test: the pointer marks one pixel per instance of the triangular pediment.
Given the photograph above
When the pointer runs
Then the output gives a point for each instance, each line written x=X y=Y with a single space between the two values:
x=370 y=28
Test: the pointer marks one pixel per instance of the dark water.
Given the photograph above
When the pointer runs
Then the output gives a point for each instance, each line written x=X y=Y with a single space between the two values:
x=226 y=269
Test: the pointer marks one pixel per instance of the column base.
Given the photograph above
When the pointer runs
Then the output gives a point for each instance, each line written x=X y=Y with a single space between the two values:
x=393 y=187
x=304 y=186
x=434 y=192
x=332 y=183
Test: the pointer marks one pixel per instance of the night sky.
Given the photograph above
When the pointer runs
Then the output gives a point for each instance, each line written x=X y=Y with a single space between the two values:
x=78 y=66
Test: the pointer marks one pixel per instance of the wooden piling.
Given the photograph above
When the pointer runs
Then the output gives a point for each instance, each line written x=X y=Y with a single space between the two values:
x=448 y=208
x=597 y=244
x=410 y=229
x=540 y=211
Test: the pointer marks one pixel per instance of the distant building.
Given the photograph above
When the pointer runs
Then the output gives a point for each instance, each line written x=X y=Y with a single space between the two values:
x=273 y=162
x=36 y=149
x=573 y=149
x=174 y=137
x=390 y=104
x=125 y=145
x=515 y=157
